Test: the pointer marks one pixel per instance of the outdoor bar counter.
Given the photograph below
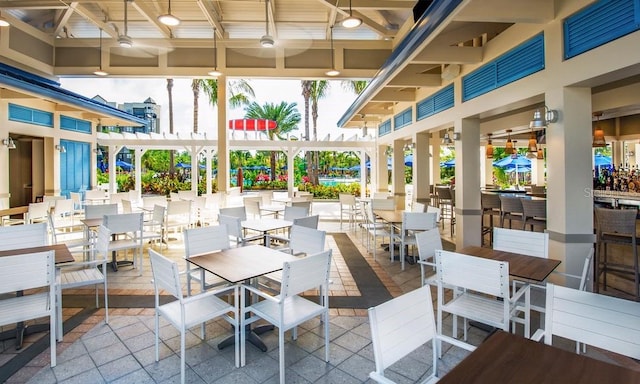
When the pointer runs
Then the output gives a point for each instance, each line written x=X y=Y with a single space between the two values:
x=616 y=198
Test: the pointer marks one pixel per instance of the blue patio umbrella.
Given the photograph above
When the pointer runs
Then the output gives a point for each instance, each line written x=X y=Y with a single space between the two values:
x=600 y=160
x=338 y=168
x=124 y=165
x=183 y=165
x=508 y=162
x=448 y=164
x=522 y=169
x=368 y=163
x=408 y=160
x=355 y=168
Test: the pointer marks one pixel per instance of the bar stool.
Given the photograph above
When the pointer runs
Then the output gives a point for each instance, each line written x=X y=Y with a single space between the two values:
x=615 y=226
x=510 y=209
x=446 y=202
x=534 y=213
x=490 y=203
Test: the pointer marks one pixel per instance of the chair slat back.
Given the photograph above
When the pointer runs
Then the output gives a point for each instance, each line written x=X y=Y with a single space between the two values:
x=23 y=236
x=347 y=199
x=586 y=270
x=38 y=211
x=96 y=211
x=602 y=321
x=127 y=207
x=63 y=207
x=94 y=194
x=383 y=204
x=475 y=273
x=125 y=222
x=294 y=212
x=401 y=325
x=233 y=225
x=306 y=240
x=179 y=207
x=158 y=214
x=418 y=207
x=622 y=221
x=420 y=221
x=534 y=208
x=151 y=201
x=489 y=201
x=116 y=198
x=302 y=202
x=307 y=221
x=205 y=239
x=187 y=195
x=511 y=204
x=252 y=205
x=165 y=275
x=436 y=210
x=27 y=271
x=428 y=242
x=101 y=245
x=522 y=242
x=305 y=273
x=235 y=212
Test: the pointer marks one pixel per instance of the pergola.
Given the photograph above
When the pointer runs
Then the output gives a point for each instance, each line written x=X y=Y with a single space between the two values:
x=196 y=144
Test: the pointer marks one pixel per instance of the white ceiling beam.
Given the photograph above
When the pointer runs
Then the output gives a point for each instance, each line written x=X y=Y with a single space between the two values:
x=387 y=94
x=64 y=18
x=508 y=11
x=409 y=79
x=212 y=17
x=152 y=17
x=449 y=55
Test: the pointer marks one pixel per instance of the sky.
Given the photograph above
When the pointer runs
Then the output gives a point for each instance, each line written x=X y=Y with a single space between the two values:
x=123 y=90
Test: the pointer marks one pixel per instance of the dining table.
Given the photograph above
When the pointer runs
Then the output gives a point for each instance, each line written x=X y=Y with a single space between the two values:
x=92 y=225
x=265 y=226
x=242 y=265
x=21 y=210
x=62 y=255
x=508 y=358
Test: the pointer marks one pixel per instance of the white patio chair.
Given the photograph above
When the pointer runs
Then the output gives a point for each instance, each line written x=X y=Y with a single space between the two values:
x=97 y=211
x=288 y=310
x=295 y=212
x=402 y=325
x=90 y=272
x=602 y=321
x=95 y=196
x=23 y=236
x=128 y=230
x=308 y=221
x=204 y=240
x=240 y=212
x=349 y=207
x=383 y=204
x=375 y=230
x=476 y=283
x=428 y=242
x=78 y=203
x=148 y=202
x=418 y=207
x=235 y=231
x=34 y=275
x=187 y=195
x=37 y=213
x=185 y=313
x=412 y=223
x=178 y=215
x=153 y=229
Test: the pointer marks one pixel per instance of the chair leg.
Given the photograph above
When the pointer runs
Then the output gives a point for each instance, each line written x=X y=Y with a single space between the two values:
x=281 y=354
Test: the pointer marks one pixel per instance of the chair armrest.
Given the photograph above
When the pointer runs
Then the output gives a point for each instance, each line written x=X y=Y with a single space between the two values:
x=77 y=264
x=260 y=293
x=456 y=342
x=427 y=263
x=538 y=335
x=519 y=293
x=216 y=292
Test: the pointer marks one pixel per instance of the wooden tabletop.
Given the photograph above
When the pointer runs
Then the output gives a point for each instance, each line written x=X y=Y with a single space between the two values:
x=96 y=222
x=14 y=211
x=61 y=252
x=266 y=224
x=391 y=217
x=521 y=266
x=239 y=264
x=509 y=358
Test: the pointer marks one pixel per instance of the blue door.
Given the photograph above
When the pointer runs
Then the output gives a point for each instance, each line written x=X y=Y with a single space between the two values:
x=75 y=166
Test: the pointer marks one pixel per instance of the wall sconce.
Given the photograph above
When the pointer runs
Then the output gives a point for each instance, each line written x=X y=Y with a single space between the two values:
x=598 y=133
x=61 y=148
x=97 y=151
x=9 y=143
x=388 y=151
x=449 y=137
x=409 y=147
x=538 y=122
x=489 y=147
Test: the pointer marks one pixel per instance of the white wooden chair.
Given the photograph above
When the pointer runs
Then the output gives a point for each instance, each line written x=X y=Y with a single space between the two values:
x=23 y=236
x=38 y=213
x=412 y=223
x=308 y=221
x=29 y=273
x=128 y=229
x=602 y=321
x=240 y=212
x=476 y=283
x=402 y=325
x=375 y=230
x=418 y=207
x=185 y=313
x=348 y=206
x=428 y=242
x=187 y=195
x=288 y=310
x=383 y=204
x=94 y=195
x=204 y=240
x=97 y=211
x=149 y=202
x=295 y=212
x=153 y=229
x=90 y=272
x=178 y=215
x=525 y=243
x=436 y=210
x=235 y=231
x=78 y=203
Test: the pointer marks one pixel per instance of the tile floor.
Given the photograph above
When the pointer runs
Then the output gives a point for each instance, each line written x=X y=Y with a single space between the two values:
x=123 y=350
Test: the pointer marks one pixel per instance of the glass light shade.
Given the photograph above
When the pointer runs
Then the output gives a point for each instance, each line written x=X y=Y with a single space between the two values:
x=508 y=148
x=100 y=72
x=540 y=154
x=351 y=22
x=533 y=143
x=169 y=19
x=4 y=22
x=598 y=138
x=125 y=41
x=267 y=41
x=489 y=150
x=332 y=72
x=215 y=73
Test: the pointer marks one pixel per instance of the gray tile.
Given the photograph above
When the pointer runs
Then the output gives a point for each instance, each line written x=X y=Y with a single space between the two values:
x=100 y=341
x=265 y=366
x=337 y=376
x=164 y=369
x=358 y=367
x=110 y=353
x=189 y=377
x=147 y=356
x=98 y=329
x=120 y=367
x=131 y=330
x=236 y=377
x=312 y=368
x=73 y=367
x=190 y=341
x=117 y=322
x=292 y=354
x=337 y=354
x=212 y=369
x=45 y=376
x=138 y=377
x=139 y=342
x=74 y=350
x=309 y=341
x=201 y=352
x=352 y=342
x=90 y=376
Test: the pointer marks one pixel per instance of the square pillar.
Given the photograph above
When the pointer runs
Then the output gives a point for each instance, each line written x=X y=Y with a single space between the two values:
x=421 y=171
x=467 y=183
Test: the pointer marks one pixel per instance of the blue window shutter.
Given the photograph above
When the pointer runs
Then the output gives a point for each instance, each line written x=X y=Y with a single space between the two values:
x=75 y=166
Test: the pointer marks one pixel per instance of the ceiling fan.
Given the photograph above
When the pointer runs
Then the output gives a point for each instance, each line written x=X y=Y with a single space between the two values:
x=124 y=40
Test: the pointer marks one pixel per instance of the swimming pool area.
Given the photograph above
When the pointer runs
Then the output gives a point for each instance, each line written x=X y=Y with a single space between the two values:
x=331 y=181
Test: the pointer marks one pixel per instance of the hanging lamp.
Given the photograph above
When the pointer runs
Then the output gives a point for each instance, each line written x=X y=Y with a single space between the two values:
x=598 y=133
x=100 y=71
x=333 y=71
x=489 y=147
x=351 y=21
x=508 y=148
x=168 y=18
x=215 y=72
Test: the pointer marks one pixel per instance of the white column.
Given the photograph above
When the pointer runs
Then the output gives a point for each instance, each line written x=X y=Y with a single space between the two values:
x=209 y=172
x=382 y=171
x=223 y=137
x=435 y=158
x=468 y=212
x=397 y=171
x=113 y=152
x=363 y=173
x=137 y=171
x=569 y=182
x=421 y=171
x=291 y=154
x=195 y=170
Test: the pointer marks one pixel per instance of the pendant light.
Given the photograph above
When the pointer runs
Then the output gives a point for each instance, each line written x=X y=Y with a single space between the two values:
x=508 y=148
x=333 y=71
x=540 y=154
x=215 y=72
x=351 y=21
x=4 y=22
x=267 y=40
x=489 y=147
x=598 y=133
x=100 y=71
x=532 y=148
x=514 y=152
x=125 y=41
x=168 y=18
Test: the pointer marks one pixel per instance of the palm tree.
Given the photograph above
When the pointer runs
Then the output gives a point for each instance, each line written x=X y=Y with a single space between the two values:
x=319 y=90
x=172 y=169
x=354 y=86
x=284 y=114
x=240 y=92
x=306 y=94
